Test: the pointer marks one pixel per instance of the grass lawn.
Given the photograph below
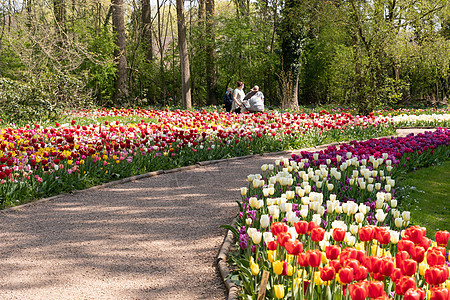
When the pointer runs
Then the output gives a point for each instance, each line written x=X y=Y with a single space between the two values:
x=427 y=196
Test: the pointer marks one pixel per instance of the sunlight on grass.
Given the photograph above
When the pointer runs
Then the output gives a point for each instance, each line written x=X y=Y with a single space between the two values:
x=427 y=196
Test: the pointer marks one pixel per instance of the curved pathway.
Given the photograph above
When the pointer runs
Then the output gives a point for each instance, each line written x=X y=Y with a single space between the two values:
x=153 y=238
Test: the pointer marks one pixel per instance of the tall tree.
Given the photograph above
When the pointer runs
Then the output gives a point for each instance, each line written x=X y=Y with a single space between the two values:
x=211 y=71
x=184 y=57
x=120 y=53
x=147 y=38
x=293 y=34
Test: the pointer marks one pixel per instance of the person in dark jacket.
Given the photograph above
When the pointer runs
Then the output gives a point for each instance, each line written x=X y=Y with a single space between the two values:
x=228 y=99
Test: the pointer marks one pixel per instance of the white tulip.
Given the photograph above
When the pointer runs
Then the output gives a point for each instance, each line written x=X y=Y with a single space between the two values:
x=256 y=237
x=398 y=222
x=264 y=167
x=299 y=191
x=378 y=186
x=359 y=218
x=270 y=167
x=264 y=221
x=307 y=189
x=244 y=191
x=266 y=192
x=316 y=156
x=268 y=237
x=395 y=236
x=350 y=240
x=338 y=209
x=393 y=203
x=248 y=221
x=354 y=229
x=333 y=197
x=380 y=215
x=321 y=210
x=271 y=191
x=253 y=202
x=406 y=215
x=330 y=207
x=316 y=219
x=370 y=187
x=290 y=195
x=379 y=203
x=260 y=204
x=387 y=187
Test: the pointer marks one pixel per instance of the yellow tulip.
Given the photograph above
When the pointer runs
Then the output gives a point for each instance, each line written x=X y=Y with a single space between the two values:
x=324 y=259
x=279 y=290
x=359 y=246
x=272 y=254
x=423 y=266
x=317 y=279
x=255 y=269
x=289 y=258
x=290 y=270
x=277 y=267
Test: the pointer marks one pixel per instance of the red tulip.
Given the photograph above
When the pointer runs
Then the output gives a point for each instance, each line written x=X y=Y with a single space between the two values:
x=282 y=238
x=301 y=227
x=272 y=245
x=373 y=263
x=346 y=275
x=418 y=254
x=400 y=257
x=332 y=252
x=436 y=275
x=317 y=234
x=311 y=226
x=338 y=234
x=360 y=273
x=294 y=247
x=404 y=284
x=415 y=234
x=435 y=257
x=396 y=275
x=358 y=291
x=414 y=294
x=327 y=273
x=442 y=238
x=440 y=293
x=383 y=236
x=405 y=245
x=314 y=258
x=278 y=227
x=366 y=233
x=302 y=260
x=426 y=242
x=378 y=276
x=408 y=267
x=387 y=266
x=376 y=289
x=335 y=264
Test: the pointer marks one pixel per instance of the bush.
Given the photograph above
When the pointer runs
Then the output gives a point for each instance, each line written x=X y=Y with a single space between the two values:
x=44 y=97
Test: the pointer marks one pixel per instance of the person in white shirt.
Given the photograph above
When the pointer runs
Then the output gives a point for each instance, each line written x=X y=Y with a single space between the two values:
x=238 y=97
x=256 y=102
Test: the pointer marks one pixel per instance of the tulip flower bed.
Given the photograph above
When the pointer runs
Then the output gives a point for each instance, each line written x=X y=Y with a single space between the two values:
x=326 y=225
x=104 y=145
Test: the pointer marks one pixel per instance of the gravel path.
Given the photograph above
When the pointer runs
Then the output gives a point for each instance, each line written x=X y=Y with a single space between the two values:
x=155 y=238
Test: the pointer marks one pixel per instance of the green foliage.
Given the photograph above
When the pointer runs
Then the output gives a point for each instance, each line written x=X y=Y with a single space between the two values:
x=40 y=98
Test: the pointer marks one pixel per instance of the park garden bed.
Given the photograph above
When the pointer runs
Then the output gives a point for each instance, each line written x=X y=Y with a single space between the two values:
x=326 y=225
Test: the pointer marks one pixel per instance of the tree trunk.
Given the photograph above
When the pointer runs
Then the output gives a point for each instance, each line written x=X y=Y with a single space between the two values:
x=211 y=71
x=184 y=57
x=120 y=54
x=147 y=29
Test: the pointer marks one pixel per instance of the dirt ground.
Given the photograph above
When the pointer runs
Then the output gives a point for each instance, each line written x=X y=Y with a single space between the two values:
x=154 y=238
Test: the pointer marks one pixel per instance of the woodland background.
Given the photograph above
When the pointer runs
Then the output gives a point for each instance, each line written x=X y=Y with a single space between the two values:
x=62 y=54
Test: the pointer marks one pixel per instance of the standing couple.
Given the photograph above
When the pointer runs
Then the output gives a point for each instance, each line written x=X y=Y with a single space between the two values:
x=252 y=102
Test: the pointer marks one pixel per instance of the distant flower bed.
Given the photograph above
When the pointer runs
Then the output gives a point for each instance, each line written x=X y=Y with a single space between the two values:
x=37 y=161
x=326 y=225
x=434 y=120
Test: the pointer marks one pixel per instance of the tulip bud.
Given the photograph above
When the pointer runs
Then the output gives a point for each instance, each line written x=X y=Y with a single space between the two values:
x=387 y=188
x=279 y=290
x=354 y=228
x=406 y=215
x=253 y=202
x=393 y=203
x=398 y=222
x=244 y=191
x=270 y=167
x=359 y=218
x=264 y=221
x=395 y=236
x=256 y=237
x=264 y=167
